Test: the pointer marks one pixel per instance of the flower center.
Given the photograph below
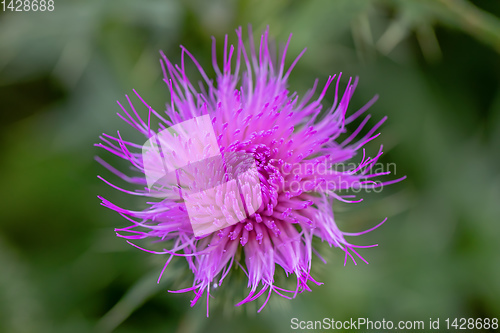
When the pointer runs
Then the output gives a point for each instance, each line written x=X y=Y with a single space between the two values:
x=262 y=154
x=271 y=180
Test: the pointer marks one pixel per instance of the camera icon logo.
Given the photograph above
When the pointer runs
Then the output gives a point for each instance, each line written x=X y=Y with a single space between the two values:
x=184 y=163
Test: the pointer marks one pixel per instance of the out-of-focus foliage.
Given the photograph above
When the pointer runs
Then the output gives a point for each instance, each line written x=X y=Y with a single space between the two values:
x=435 y=65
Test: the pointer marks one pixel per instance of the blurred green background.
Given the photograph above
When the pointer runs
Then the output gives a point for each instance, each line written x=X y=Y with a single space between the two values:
x=435 y=65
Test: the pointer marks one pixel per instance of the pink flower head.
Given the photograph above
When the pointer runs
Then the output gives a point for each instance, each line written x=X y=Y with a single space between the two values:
x=240 y=164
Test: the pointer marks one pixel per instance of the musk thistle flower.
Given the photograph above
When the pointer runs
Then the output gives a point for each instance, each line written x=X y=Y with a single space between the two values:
x=241 y=164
